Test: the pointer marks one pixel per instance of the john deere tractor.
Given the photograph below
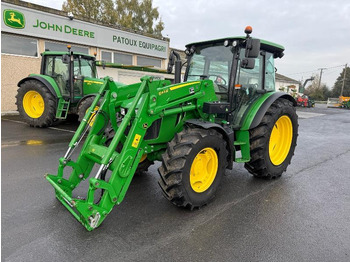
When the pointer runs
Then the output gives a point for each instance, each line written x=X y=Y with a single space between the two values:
x=226 y=110
x=66 y=84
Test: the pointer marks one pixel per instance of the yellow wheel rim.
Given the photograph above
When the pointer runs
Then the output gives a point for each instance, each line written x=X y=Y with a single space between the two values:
x=280 y=140
x=204 y=169
x=33 y=104
x=143 y=158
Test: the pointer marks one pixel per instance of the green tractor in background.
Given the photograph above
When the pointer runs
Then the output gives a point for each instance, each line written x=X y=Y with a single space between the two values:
x=67 y=83
x=225 y=111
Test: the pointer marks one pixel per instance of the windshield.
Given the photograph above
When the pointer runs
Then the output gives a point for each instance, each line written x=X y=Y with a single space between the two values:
x=212 y=62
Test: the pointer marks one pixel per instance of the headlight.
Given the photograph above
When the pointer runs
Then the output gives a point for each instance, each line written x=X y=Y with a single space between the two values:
x=122 y=111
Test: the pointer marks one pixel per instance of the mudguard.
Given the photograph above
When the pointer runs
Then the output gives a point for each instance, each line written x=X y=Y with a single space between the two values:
x=47 y=81
x=259 y=108
x=227 y=133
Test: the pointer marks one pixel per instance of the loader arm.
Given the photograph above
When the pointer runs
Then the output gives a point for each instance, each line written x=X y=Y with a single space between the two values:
x=145 y=102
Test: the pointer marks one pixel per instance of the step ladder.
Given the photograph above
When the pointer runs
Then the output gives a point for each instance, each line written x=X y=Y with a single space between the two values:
x=62 y=109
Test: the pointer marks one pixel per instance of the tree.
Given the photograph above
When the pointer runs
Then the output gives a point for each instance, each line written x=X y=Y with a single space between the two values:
x=139 y=15
x=336 y=90
x=102 y=11
x=133 y=14
x=317 y=93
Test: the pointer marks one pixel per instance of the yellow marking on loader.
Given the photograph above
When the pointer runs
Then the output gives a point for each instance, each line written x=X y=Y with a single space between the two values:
x=89 y=82
x=179 y=86
x=136 y=141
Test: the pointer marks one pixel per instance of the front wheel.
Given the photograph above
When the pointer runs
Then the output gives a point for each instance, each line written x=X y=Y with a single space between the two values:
x=192 y=167
x=35 y=104
x=273 y=141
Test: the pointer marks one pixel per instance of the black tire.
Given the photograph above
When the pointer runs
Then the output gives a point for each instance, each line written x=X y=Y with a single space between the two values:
x=48 y=116
x=260 y=165
x=84 y=106
x=177 y=162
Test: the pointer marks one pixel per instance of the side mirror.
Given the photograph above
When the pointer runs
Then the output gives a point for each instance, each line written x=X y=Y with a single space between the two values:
x=171 y=62
x=175 y=59
x=248 y=63
x=252 y=49
x=65 y=59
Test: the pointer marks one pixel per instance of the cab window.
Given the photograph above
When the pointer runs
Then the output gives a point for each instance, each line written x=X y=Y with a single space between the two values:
x=269 y=72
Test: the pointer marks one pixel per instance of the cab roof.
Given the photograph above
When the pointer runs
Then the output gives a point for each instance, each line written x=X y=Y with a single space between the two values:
x=265 y=45
x=65 y=53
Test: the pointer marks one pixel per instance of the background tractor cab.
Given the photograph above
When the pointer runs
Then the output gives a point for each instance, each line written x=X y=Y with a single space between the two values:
x=68 y=71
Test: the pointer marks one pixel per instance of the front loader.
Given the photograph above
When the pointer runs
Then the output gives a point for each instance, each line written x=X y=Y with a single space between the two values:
x=225 y=111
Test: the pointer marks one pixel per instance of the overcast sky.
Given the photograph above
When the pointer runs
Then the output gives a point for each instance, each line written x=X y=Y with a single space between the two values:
x=315 y=33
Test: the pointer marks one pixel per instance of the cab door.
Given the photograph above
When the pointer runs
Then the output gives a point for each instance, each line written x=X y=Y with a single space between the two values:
x=59 y=71
x=251 y=84
x=82 y=67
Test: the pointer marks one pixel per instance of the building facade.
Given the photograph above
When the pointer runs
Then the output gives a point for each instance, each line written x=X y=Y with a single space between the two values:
x=286 y=84
x=27 y=30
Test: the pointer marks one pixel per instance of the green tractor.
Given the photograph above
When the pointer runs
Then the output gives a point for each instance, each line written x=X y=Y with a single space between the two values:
x=67 y=83
x=225 y=111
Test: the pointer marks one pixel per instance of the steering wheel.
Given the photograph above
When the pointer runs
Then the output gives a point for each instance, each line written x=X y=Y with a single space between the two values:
x=220 y=81
x=55 y=75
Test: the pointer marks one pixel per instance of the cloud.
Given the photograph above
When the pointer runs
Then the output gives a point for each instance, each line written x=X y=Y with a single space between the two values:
x=313 y=32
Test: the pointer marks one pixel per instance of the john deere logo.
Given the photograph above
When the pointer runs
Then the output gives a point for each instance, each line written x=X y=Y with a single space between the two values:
x=14 y=19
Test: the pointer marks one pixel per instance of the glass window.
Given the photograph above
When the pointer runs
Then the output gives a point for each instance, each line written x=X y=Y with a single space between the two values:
x=58 y=70
x=196 y=68
x=124 y=59
x=106 y=56
x=84 y=67
x=249 y=81
x=213 y=62
x=147 y=61
x=270 y=72
x=51 y=46
x=251 y=78
x=18 y=45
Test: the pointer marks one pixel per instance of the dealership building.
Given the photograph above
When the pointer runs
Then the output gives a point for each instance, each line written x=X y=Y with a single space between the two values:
x=27 y=30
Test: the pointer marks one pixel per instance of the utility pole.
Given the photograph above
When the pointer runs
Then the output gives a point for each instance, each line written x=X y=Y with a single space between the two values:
x=319 y=82
x=342 y=87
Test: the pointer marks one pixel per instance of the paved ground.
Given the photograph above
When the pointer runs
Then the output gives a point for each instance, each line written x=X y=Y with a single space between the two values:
x=304 y=216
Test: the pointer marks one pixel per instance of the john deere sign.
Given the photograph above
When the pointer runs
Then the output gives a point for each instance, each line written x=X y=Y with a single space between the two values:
x=14 y=19
x=63 y=29
x=54 y=27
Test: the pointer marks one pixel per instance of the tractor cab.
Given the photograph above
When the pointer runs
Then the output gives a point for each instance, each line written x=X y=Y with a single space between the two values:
x=68 y=70
x=241 y=68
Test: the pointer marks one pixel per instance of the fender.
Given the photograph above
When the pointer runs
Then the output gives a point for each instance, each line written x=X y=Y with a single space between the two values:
x=227 y=133
x=45 y=80
x=259 y=108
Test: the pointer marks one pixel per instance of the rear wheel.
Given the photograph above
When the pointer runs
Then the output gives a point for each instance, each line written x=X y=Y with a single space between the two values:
x=83 y=108
x=36 y=104
x=273 y=141
x=192 y=167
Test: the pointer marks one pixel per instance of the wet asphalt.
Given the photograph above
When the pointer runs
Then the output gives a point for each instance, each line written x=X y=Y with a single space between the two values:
x=303 y=216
